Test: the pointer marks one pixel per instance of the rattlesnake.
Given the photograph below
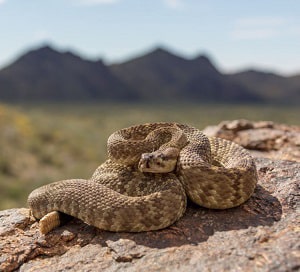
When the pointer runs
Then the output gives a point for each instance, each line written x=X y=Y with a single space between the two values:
x=144 y=184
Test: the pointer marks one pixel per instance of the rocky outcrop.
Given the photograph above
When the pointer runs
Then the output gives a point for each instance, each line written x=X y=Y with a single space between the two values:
x=263 y=139
x=261 y=235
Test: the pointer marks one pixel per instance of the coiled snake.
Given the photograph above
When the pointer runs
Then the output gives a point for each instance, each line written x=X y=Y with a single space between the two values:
x=144 y=184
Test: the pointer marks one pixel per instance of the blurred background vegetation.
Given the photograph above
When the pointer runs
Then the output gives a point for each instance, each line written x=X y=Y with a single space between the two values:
x=41 y=143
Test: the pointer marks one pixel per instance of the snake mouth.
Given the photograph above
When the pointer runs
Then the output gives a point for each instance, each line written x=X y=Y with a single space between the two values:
x=145 y=162
x=156 y=162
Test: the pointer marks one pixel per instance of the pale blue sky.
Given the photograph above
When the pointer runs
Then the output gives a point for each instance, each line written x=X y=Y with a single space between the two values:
x=237 y=34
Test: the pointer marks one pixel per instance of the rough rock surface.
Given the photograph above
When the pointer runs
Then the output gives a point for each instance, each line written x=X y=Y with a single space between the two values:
x=264 y=138
x=261 y=235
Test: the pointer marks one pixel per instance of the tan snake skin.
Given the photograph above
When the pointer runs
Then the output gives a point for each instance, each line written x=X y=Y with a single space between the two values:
x=120 y=196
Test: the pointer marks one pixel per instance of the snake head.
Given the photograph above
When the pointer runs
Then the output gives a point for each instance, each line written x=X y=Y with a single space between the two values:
x=160 y=161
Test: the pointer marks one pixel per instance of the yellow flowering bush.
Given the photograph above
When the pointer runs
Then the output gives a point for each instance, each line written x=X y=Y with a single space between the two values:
x=14 y=124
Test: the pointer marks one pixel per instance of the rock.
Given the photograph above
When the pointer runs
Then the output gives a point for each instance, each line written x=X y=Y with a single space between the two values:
x=263 y=234
x=125 y=250
x=264 y=138
x=11 y=220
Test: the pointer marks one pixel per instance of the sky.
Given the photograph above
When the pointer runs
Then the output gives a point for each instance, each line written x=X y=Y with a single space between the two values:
x=235 y=34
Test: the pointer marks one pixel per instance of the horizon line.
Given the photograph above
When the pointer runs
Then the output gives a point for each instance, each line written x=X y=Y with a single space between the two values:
x=141 y=53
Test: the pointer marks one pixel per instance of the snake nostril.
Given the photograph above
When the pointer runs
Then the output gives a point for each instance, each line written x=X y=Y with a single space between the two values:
x=147 y=164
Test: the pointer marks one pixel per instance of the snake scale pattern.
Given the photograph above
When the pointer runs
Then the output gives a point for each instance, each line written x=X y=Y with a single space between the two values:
x=144 y=184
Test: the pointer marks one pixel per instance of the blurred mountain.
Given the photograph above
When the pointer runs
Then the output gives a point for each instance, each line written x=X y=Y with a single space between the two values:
x=163 y=75
x=45 y=74
x=274 y=88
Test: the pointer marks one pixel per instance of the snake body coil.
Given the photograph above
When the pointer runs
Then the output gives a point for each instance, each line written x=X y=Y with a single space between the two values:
x=150 y=171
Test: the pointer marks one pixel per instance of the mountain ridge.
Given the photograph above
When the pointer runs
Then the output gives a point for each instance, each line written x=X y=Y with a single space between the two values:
x=160 y=75
x=46 y=74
